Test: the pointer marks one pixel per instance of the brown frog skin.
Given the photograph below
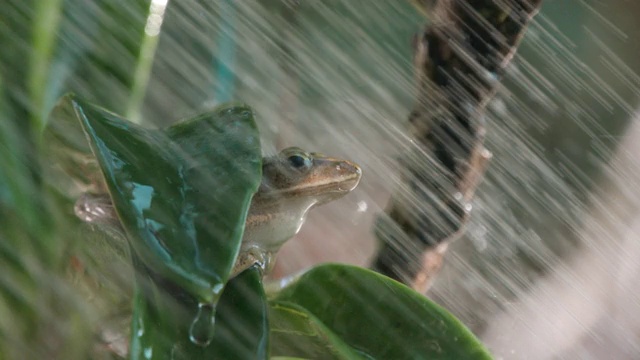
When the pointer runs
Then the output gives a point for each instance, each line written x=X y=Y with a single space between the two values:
x=293 y=182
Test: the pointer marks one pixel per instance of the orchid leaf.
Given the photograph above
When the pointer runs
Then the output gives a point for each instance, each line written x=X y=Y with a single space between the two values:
x=379 y=317
x=181 y=193
x=161 y=323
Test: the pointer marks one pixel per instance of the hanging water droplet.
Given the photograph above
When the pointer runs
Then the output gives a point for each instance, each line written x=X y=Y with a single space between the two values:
x=201 y=330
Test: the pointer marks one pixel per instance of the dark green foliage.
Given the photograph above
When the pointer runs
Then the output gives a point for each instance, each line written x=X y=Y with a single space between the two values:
x=52 y=46
x=374 y=315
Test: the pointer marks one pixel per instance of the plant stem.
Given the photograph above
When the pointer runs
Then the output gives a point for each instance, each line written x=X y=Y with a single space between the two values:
x=224 y=78
x=148 y=47
x=45 y=31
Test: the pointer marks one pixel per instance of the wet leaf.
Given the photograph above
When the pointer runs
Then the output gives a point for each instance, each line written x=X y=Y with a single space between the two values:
x=181 y=193
x=379 y=316
x=295 y=332
x=161 y=324
x=242 y=323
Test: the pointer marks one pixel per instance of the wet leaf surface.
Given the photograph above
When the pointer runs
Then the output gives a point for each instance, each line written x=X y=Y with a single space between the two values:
x=181 y=193
x=377 y=316
x=160 y=324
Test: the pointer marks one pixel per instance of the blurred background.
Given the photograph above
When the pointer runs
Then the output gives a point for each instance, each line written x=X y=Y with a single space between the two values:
x=547 y=267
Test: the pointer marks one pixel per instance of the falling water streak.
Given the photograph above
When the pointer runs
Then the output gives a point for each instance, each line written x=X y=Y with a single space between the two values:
x=566 y=99
x=578 y=294
x=631 y=79
x=564 y=180
x=567 y=56
x=456 y=61
x=522 y=177
x=604 y=20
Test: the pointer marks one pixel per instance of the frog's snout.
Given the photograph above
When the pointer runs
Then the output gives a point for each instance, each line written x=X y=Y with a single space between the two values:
x=350 y=174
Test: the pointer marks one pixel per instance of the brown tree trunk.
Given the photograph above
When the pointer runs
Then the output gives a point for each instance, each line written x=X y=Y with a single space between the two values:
x=459 y=59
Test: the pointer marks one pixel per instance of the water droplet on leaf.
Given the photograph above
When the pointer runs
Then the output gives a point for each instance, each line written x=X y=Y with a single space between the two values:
x=201 y=330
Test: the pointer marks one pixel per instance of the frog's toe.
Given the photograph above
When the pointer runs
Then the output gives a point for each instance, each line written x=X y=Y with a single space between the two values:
x=253 y=256
x=94 y=208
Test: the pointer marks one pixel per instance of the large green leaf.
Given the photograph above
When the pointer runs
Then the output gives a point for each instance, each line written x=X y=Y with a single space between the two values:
x=181 y=193
x=242 y=324
x=378 y=316
x=295 y=332
x=161 y=324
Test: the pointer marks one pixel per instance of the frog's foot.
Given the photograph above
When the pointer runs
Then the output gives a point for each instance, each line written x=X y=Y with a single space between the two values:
x=95 y=209
x=250 y=256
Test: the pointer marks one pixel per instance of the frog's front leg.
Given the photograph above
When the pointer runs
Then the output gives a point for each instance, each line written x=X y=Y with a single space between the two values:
x=252 y=255
x=95 y=208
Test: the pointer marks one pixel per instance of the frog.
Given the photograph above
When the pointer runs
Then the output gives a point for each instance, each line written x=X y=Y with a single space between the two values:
x=293 y=182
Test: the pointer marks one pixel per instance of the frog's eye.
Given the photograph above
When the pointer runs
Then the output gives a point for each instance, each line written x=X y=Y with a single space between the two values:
x=299 y=161
x=296 y=158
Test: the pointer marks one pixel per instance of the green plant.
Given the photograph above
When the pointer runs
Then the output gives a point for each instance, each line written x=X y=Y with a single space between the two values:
x=182 y=195
x=105 y=53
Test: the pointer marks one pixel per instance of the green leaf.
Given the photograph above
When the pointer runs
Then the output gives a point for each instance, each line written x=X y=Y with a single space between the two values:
x=379 y=316
x=181 y=193
x=46 y=23
x=160 y=324
x=242 y=323
x=69 y=166
x=295 y=332
x=110 y=50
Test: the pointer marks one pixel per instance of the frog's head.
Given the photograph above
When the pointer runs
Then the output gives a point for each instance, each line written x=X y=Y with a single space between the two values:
x=296 y=174
x=293 y=182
